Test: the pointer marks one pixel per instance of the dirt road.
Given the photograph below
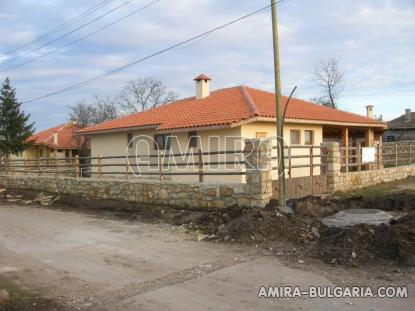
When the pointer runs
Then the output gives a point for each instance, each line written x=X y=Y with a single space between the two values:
x=89 y=263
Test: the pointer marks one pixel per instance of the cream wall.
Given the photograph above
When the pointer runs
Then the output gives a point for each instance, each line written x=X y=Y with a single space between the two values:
x=30 y=153
x=115 y=144
x=251 y=129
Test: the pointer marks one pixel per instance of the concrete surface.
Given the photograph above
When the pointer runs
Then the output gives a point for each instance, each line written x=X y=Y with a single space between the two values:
x=92 y=263
x=358 y=216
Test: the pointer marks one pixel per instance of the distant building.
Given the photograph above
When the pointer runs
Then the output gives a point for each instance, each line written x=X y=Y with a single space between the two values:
x=401 y=128
x=59 y=141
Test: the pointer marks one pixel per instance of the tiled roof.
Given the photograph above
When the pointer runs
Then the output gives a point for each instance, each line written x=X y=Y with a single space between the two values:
x=225 y=107
x=401 y=122
x=66 y=137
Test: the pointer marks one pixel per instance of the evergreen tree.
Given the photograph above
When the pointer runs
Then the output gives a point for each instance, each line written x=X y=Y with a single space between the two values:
x=14 y=127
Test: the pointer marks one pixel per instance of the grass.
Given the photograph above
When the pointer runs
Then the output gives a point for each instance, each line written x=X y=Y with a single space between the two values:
x=16 y=295
x=380 y=190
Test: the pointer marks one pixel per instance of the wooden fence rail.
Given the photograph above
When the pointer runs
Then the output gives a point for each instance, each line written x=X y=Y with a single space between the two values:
x=201 y=164
x=388 y=155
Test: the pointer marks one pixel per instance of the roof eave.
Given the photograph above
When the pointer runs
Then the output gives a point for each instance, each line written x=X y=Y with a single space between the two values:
x=310 y=121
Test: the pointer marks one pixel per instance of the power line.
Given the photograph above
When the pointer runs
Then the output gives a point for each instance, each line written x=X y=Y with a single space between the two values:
x=71 y=32
x=121 y=68
x=83 y=37
x=60 y=27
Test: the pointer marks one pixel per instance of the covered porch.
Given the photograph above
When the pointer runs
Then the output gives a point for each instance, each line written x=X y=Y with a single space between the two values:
x=351 y=140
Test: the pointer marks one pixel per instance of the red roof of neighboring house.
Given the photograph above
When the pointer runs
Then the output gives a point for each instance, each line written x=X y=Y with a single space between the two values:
x=65 y=137
x=225 y=107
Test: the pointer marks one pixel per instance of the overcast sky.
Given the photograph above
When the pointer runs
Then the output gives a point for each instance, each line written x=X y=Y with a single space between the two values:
x=373 y=39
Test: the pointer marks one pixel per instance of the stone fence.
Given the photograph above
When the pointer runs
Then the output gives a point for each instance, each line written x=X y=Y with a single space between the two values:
x=256 y=191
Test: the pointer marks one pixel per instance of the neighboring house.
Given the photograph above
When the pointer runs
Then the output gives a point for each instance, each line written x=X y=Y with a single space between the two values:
x=401 y=128
x=238 y=112
x=59 y=141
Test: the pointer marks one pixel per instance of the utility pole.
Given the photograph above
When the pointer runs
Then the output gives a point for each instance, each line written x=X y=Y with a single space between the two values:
x=280 y=121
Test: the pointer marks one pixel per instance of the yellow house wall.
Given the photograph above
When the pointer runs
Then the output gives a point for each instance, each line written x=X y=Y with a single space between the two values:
x=115 y=144
x=249 y=131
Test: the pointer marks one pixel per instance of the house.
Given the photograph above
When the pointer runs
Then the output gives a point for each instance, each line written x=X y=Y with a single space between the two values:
x=401 y=128
x=222 y=120
x=60 y=141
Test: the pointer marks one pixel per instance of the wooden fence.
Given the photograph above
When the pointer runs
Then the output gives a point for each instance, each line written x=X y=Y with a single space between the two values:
x=127 y=166
x=300 y=160
x=387 y=155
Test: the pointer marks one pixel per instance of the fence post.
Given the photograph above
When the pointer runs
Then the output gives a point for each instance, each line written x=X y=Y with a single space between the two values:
x=312 y=169
x=359 y=157
x=127 y=168
x=200 y=166
x=38 y=166
x=160 y=166
x=332 y=164
x=99 y=166
x=259 y=171
x=289 y=162
x=56 y=164
x=77 y=166
x=378 y=155
x=396 y=154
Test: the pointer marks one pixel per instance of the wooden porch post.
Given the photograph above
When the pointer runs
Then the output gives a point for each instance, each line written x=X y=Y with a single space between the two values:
x=345 y=143
x=369 y=137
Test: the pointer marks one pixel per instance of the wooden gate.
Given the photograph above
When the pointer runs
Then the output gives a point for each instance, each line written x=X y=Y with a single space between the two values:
x=299 y=187
x=310 y=163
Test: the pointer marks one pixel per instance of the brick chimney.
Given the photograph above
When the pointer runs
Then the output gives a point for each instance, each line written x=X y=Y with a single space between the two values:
x=369 y=111
x=408 y=115
x=202 y=86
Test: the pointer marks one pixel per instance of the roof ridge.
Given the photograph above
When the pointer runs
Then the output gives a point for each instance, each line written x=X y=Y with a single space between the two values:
x=55 y=129
x=253 y=109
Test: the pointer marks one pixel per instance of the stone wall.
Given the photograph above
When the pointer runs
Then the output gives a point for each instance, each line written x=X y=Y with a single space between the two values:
x=181 y=195
x=256 y=192
x=338 y=181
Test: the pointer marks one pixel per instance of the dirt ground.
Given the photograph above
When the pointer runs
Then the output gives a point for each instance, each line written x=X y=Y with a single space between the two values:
x=107 y=255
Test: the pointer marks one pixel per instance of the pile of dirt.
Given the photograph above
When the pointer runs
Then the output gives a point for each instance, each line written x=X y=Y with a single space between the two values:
x=369 y=244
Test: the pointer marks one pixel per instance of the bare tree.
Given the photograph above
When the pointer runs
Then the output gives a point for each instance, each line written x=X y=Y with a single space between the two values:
x=86 y=114
x=330 y=80
x=144 y=93
x=101 y=110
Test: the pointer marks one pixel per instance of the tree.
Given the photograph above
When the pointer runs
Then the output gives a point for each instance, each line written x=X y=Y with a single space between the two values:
x=144 y=93
x=330 y=80
x=14 y=127
x=87 y=114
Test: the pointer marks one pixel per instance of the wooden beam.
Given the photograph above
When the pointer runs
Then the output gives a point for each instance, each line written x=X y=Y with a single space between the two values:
x=345 y=143
x=369 y=137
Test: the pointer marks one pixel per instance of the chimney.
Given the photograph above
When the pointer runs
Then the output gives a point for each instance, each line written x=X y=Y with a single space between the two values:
x=55 y=138
x=74 y=122
x=408 y=115
x=369 y=111
x=202 y=86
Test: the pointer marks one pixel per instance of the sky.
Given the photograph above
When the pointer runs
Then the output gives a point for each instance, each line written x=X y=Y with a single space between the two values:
x=372 y=39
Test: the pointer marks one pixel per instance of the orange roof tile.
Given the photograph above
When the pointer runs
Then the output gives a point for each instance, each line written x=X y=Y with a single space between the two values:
x=66 y=137
x=225 y=107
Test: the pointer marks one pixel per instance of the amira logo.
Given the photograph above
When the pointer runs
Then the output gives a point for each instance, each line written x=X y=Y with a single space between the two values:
x=147 y=155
